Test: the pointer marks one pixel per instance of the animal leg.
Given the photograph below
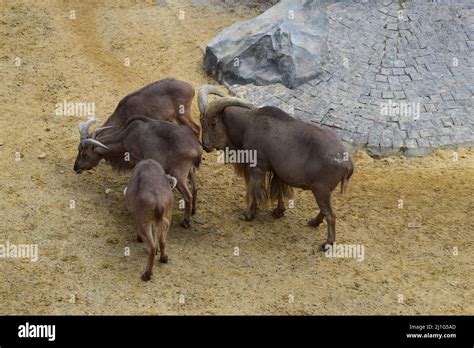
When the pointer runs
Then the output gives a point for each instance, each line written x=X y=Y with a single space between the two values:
x=156 y=233
x=185 y=118
x=187 y=196
x=280 y=191
x=146 y=233
x=279 y=211
x=323 y=198
x=163 y=229
x=256 y=193
x=317 y=220
x=192 y=181
x=249 y=214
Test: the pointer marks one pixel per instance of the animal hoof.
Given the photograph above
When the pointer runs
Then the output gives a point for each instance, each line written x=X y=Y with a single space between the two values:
x=324 y=247
x=277 y=213
x=146 y=276
x=244 y=217
x=314 y=223
x=139 y=239
x=193 y=211
x=185 y=224
x=164 y=259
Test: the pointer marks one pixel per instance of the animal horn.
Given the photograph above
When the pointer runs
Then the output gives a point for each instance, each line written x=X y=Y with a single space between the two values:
x=93 y=142
x=218 y=105
x=202 y=96
x=173 y=181
x=84 y=127
x=98 y=130
x=102 y=129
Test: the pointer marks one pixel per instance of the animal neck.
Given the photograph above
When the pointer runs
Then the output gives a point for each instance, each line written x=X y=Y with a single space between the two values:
x=119 y=155
x=236 y=124
x=121 y=161
x=116 y=152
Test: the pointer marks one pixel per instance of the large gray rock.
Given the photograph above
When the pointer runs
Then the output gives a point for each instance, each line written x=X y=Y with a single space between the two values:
x=286 y=44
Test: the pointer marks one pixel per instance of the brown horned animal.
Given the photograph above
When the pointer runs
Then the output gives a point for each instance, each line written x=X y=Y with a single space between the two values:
x=164 y=100
x=173 y=146
x=150 y=201
x=290 y=153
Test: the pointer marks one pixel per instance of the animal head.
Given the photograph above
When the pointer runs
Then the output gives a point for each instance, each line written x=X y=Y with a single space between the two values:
x=214 y=134
x=88 y=154
x=214 y=131
x=208 y=128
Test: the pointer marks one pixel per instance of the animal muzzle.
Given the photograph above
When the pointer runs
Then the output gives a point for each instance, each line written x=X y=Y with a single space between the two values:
x=207 y=148
x=77 y=169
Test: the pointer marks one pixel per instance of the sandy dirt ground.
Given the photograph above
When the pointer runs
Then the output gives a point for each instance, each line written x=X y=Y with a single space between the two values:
x=418 y=259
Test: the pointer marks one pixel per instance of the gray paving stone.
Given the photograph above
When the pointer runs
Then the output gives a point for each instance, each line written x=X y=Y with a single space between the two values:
x=404 y=78
x=447 y=96
x=399 y=95
x=391 y=60
x=410 y=143
x=375 y=93
x=398 y=71
x=422 y=142
x=411 y=70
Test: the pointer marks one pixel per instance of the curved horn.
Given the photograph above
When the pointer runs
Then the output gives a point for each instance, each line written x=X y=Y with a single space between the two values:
x=102 y=129
x=202 y=96
x=84 y=127
x=98 y=130
x=218 y=105
x=173 y=181
x=93 y=142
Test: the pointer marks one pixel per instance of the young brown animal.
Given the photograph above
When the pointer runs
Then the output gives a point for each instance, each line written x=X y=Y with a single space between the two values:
x=164 y=100
x=173 y=146
x=290 y=153
x=150 y=201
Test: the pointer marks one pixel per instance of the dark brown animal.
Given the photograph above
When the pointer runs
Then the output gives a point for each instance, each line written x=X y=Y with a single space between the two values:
x=164 y=100
x=150 y=201
x=290 y=153
x=173 y=146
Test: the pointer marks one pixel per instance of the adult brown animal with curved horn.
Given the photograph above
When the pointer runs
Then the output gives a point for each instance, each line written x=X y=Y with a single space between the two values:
x=290 y=153
x=173 y=146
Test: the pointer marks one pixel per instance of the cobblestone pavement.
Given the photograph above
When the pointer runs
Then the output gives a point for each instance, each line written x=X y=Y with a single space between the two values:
x=399 y=78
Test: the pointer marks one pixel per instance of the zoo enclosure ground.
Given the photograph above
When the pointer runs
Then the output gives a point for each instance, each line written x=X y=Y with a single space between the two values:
x=82 y=267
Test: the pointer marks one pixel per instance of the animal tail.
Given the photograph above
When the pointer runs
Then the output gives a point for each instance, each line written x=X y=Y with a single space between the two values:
x=346 y=177
x=159 y=211
x=163 y=222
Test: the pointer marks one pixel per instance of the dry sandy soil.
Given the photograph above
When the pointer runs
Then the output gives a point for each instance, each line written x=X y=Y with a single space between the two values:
x=82 y=268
